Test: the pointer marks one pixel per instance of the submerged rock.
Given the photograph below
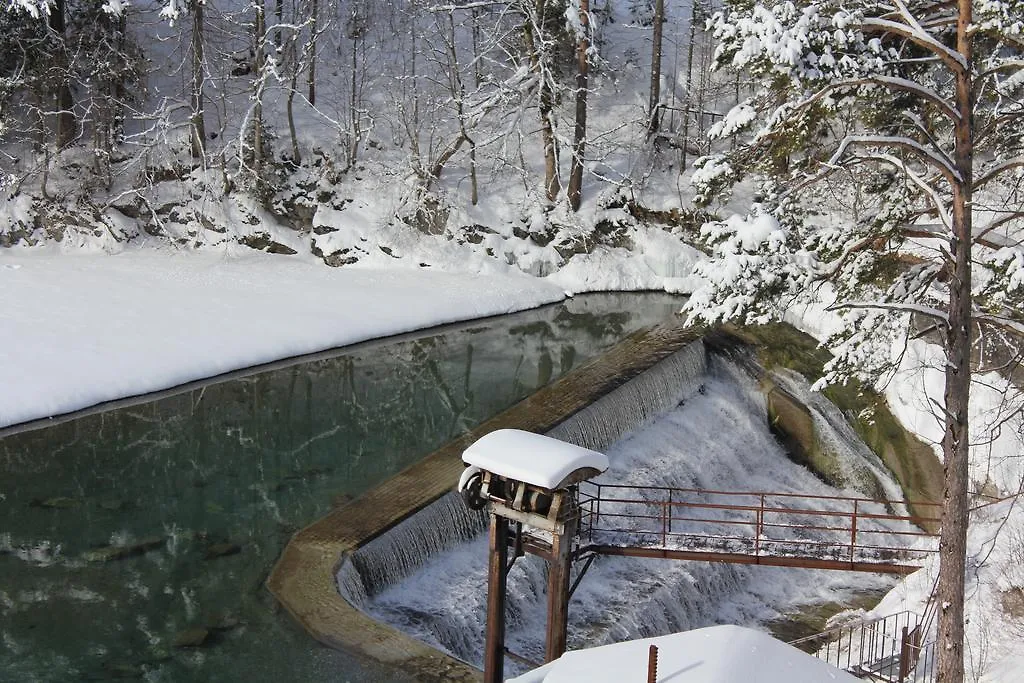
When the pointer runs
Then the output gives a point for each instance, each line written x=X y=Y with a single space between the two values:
x=56 y=503
x=193 y=637
x=121 y=552
x=221 y=550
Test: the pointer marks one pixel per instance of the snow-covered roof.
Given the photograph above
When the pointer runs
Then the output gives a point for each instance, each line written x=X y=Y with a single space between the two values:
x=717 y=654
x=532 y=458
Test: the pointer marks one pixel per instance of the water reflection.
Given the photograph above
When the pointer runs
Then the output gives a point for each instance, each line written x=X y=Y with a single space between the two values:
x=134 y=543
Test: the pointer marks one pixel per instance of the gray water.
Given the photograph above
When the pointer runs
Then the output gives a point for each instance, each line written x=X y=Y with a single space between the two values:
x=129 y=536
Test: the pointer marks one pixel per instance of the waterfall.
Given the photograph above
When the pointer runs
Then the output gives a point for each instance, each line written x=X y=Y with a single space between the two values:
x=392 y=556
x=639 y=400
x=695 y=420
x=447 y=522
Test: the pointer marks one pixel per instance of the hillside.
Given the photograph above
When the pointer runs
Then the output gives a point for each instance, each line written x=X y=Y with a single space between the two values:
x=393 y=134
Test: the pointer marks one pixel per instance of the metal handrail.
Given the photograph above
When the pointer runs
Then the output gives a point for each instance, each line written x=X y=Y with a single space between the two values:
x=757 y=523
x=885 y=648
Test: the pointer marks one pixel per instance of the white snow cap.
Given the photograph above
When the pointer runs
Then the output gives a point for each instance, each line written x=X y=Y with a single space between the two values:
x=532 y=458
x=717 y=654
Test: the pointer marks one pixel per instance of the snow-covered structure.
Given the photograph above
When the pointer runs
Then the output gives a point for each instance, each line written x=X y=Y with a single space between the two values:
x=533 y=459
x=717 y=654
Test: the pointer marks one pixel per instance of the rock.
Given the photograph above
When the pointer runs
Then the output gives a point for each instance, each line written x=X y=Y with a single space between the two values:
x=225 y=622
x=56 y=503
x=193 y=637
x=121 y=552
x=221 y=550
x=122 y=670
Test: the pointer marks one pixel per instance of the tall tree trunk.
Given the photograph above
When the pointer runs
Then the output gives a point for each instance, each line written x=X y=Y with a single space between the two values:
x=547 y=101
x=653 y=108
x=279 y=15
x=314 y=17
x=292 y=85
x=579 y=140
x=687 y=103
x=65 y=125
x=955 y=441
x=197 y=120
x=257 y=116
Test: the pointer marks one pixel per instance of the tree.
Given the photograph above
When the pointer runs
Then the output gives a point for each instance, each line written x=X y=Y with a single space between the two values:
x=924 y=101
x=653 y=106
x=537 y=37
x=581 y=25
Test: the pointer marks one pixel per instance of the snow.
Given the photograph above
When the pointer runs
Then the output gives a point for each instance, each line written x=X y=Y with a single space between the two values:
x=717 y=654
x=532 y=458
x=80 y=329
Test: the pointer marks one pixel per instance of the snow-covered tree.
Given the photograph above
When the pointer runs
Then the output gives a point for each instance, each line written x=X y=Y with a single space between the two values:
x=916 y=107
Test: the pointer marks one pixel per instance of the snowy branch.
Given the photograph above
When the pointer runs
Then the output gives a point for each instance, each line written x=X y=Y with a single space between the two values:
x=933 y=158
x=953 y=59
x=920 y=309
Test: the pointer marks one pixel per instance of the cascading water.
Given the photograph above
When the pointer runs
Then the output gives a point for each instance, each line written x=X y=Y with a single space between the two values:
x=696 y=420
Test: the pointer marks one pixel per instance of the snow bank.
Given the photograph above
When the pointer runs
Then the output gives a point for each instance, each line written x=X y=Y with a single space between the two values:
x=81 y=329
x=717 y=654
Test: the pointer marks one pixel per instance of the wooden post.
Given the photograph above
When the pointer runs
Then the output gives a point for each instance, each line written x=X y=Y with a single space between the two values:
x=905 y=655
x=558 y=589
x=652 y=664
x=494 y=643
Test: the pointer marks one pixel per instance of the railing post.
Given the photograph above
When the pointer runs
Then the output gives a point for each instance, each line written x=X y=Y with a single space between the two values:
x=652 y=664
x=597 y=515
x=664 y=524
x=669 y=511
x=758 y=528
x=904 y=655
x=853 y=532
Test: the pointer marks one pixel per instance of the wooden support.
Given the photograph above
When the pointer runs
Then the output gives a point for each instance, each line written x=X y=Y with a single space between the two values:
x=652 y=664
x=494 y=644
x=558 y=589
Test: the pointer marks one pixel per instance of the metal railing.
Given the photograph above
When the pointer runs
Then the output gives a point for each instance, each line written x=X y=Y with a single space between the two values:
x=794 y=529
x=889 y=648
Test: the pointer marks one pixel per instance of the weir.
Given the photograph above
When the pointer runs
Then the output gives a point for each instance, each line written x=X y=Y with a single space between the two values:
x=433 y=537
x=304 y=580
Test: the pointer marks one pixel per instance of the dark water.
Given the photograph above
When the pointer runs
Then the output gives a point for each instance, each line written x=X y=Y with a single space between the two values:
x=134 y=543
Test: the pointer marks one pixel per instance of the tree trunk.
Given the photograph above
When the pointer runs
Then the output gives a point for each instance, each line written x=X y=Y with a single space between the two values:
x=257 y=117
x=293 y=84
x=575 y=189
x=653 y=108
x=198 y=124
x=313 y=33
x=955 y=441
x=65 y=127
x=689 y=81
x=547 y=101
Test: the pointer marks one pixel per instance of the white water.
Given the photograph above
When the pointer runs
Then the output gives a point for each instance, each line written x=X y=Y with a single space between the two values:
x=689 y=422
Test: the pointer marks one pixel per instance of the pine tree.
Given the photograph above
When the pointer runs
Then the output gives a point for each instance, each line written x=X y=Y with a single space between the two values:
x=920 y=106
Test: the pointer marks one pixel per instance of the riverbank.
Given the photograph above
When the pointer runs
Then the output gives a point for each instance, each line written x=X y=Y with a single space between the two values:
x=83 y=329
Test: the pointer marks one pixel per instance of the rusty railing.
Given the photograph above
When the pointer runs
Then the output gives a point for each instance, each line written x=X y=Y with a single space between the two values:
x=756 y=527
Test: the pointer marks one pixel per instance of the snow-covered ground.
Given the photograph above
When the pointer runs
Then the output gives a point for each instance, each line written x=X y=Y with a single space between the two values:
x=80 y=329
x=717 y=654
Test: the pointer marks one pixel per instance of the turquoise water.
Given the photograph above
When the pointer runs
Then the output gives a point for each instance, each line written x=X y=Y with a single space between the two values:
x=134 y=543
